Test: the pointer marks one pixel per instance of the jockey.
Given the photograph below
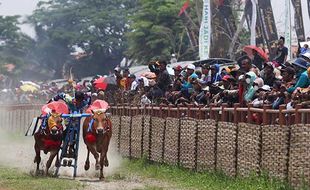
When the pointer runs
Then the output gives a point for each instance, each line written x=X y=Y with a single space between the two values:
x=75 y=104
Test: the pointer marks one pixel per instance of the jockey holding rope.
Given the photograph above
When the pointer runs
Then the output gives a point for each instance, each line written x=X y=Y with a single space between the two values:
x=76 y=104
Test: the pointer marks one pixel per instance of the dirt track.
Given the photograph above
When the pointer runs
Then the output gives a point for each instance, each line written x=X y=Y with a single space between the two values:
x=18 y=152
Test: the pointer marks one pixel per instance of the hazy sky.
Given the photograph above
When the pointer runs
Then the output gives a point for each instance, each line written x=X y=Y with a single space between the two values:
x=25 y=7
x=19 y=7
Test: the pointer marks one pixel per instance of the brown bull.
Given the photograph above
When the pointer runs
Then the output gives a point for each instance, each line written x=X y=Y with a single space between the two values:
x=49 y=140
x=97 y=132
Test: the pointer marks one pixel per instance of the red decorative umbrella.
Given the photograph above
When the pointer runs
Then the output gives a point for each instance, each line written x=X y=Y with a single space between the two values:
x=98 y=105
x=58 y=107
x=260 y=52
x=102 y=82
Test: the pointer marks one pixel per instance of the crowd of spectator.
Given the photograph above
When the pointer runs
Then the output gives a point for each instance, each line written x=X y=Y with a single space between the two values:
x=249 y=80
x=274 y=82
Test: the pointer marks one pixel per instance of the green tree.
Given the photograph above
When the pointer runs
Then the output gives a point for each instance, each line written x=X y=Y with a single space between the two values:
x=96 y=26
x=156 y=31
x=15 y=47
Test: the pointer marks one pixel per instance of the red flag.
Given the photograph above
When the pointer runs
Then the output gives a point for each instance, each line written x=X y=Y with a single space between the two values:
x=184 y=7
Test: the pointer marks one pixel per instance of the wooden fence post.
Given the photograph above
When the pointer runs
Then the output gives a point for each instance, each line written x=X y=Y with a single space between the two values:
x=298 y=114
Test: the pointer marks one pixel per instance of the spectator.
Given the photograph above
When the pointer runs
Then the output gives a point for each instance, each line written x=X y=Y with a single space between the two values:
x=288 y=74
x=268 y=74
x=305 y=49
x=246 y=65
x=117 y=75
x=257 y=60
x=215 y=73
x=205 y=68
x=249 y=89
x=282 y=52
x=163 y=79
x=300 y=66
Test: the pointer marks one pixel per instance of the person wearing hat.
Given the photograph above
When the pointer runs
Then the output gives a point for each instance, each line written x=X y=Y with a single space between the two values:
x=177 y=71
x=303 y=80
x=262 y=95
x=249 y=91
x=215 y=73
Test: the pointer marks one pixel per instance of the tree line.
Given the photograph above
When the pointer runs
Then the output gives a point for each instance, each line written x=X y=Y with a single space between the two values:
x=106 y=31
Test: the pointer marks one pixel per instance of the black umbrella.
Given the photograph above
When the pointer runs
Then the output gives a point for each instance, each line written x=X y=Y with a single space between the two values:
x=212 y=61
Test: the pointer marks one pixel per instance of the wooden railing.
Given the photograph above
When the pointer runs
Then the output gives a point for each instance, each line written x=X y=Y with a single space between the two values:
x=235 y=114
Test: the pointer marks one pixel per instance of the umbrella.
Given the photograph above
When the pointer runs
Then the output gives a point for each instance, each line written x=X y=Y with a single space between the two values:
x=58 y=107
x=102 y=82
x=249 y=52
x=212 y=61
x=28 y=88
x=30 y=83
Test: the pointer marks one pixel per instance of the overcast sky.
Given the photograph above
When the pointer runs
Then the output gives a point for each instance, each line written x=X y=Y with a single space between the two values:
x=25 y=7
x=19 y=7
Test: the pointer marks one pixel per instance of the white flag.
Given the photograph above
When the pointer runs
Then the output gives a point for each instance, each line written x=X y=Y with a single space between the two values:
x=253 y=23
x=288 y=34
x=205 y=31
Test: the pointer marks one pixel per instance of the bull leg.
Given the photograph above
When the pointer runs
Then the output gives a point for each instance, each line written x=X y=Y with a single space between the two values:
x=102 y=158
x=57 y=163
x=50 y=160
x=94 y=152
x=86 y=166
x=105 y=151
x=37 y=158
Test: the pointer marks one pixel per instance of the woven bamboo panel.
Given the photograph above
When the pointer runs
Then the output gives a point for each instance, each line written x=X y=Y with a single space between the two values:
x=226 y=148
x=299 y=164
x=248 y=149
x=116 y=121
x=146 y=135
x=136 y=136
x=157 y=137
x=125 y=135
x=171 y=141
x=275 y=150
x=206 y=145
x=188 y=143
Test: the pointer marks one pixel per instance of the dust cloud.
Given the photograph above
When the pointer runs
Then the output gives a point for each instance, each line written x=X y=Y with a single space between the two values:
x=17 y=151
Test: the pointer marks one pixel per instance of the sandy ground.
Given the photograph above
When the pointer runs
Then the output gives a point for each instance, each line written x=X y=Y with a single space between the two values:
x=18 y=152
